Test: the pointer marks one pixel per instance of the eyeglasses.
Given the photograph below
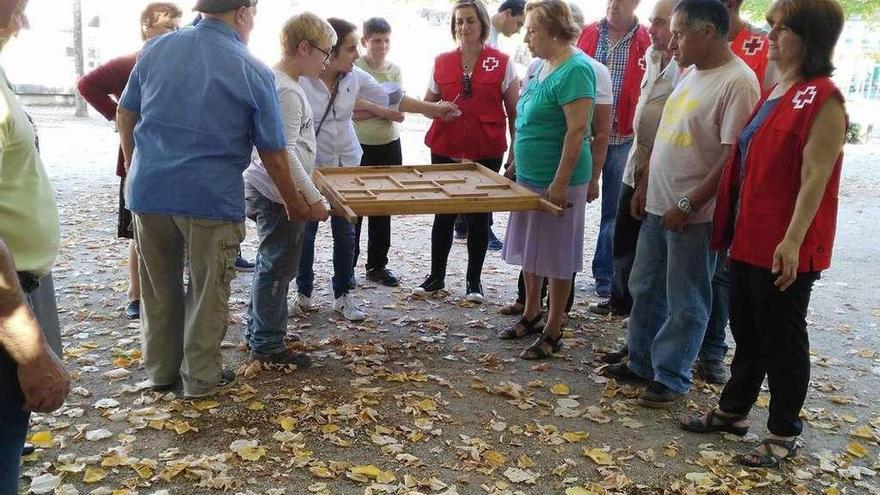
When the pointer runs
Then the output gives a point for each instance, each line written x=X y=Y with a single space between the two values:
x=326 y=53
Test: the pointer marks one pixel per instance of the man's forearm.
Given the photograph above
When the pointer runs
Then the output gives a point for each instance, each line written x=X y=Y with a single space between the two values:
x=599 y=150
x=279 y=170
x=20 y=333
x=125 y=122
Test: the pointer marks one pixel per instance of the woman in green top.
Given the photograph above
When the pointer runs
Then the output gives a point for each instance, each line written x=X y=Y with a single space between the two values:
x=552 y=159
x=380 y=141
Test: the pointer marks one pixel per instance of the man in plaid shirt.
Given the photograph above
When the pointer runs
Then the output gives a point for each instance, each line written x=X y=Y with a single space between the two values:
x=619 y=42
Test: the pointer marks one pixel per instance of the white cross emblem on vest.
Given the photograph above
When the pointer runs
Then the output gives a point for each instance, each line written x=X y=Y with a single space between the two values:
x=490 y=64
x=804 y=97
x=642 y=64
x=753 y=45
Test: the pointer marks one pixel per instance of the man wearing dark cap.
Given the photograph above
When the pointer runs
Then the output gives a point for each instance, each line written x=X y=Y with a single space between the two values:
x=195 y=106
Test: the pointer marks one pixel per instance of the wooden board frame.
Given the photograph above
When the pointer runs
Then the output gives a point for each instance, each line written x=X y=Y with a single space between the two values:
x=358 y=200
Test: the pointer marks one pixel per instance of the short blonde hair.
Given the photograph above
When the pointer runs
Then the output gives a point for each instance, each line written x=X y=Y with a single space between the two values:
x=305 y=27
x=554 y=16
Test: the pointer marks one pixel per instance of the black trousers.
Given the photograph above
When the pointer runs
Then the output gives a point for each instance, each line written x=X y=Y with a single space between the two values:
x=478 y=232
x=379 y=228
x=626 y=236
x=770 y=330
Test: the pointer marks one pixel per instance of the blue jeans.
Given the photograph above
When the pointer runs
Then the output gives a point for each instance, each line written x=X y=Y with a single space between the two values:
x=276 y=264
x=14 y=421
x=343 y=257
x=612 y=178
x=671 y=286
x=714 y=345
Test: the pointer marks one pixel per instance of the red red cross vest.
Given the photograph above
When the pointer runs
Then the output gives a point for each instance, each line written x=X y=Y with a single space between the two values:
x=481 y=130
x=752 y=47
x=772 y=181
x=628 y=98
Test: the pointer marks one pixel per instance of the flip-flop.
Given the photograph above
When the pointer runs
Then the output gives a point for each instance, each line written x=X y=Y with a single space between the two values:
x=769 y=459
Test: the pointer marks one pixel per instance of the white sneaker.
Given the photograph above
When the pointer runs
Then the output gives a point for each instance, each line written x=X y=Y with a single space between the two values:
x=345 y=305
x=299 y=305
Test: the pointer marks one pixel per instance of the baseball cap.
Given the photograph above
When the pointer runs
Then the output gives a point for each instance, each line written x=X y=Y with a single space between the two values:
x=220 y=6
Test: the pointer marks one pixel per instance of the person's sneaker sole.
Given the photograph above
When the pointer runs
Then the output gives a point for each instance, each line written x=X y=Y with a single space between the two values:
x=657 y=404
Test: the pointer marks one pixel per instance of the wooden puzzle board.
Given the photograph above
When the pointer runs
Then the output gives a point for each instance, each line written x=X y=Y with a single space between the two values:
x=420 y=189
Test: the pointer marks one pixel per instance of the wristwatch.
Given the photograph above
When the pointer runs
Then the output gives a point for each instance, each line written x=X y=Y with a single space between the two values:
x=684 y=205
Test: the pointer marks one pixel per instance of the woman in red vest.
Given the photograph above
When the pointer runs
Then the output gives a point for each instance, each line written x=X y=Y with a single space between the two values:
x=776 y=212
x=481 y=81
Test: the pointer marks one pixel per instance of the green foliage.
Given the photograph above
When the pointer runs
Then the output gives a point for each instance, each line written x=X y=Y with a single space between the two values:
x=868 y=10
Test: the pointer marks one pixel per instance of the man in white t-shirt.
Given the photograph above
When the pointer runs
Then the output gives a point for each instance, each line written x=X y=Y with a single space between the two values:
x=672 y=273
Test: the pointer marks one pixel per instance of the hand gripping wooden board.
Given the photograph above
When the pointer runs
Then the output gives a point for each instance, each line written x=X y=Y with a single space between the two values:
x=419 y=189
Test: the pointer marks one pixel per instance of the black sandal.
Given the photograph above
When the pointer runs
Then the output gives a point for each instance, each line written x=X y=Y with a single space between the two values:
x=714 y=423
x=537 y=349
x=769 y=459
x=523 y=327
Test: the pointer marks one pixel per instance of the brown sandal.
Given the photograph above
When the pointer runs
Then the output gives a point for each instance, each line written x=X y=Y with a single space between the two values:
x=523 y=327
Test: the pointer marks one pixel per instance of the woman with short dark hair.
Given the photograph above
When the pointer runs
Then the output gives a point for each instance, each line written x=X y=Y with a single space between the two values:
x=482 y=82
x=553 y=160
x=776 y=212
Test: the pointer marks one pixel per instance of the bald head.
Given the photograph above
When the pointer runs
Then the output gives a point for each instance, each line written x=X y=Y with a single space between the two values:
x=660 y=19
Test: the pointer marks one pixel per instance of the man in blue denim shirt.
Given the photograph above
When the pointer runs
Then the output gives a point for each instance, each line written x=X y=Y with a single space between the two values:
x=196 y=105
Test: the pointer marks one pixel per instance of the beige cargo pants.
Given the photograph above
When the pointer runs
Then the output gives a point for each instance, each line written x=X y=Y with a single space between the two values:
x=182 y=327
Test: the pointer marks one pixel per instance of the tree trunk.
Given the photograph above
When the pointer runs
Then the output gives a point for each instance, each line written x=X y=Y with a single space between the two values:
x=81 y=109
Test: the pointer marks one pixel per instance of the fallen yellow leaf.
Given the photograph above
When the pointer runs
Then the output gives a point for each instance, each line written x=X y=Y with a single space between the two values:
x=42 y=439
x=320 y=472
x=599 y=456
x=524 y=462
x=494 y=459
x=256 y=406
x=369 y=471
x=560 y=389
x=204 y=405
x=856 y=449
x=575 y=436
x=94 y=474
x=287 y=423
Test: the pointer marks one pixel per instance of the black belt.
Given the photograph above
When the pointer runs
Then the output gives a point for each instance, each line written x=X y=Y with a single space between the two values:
x=29 y=282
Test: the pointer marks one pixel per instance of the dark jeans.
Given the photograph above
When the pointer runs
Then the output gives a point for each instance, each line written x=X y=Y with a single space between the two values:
x=14 y=421
x=770 y=330
x=478 y=233
x=379 y=227
x=714 y=346
x=521 y=291
x=276 y=264
x=612 y=179
x=343 y=249
x=626 y=236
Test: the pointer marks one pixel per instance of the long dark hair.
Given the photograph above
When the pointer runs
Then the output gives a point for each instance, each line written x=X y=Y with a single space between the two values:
x=343 y=28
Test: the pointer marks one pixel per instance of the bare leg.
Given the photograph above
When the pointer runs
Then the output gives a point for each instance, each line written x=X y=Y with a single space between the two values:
x=134 y=280
x=559 y=291
x=533 y=295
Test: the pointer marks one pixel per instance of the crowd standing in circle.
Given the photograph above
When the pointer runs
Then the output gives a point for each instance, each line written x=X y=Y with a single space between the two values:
x=716 y=200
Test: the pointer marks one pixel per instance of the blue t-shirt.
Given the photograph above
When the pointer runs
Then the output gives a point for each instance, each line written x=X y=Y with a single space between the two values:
x=204 y=103
x=541 y=125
